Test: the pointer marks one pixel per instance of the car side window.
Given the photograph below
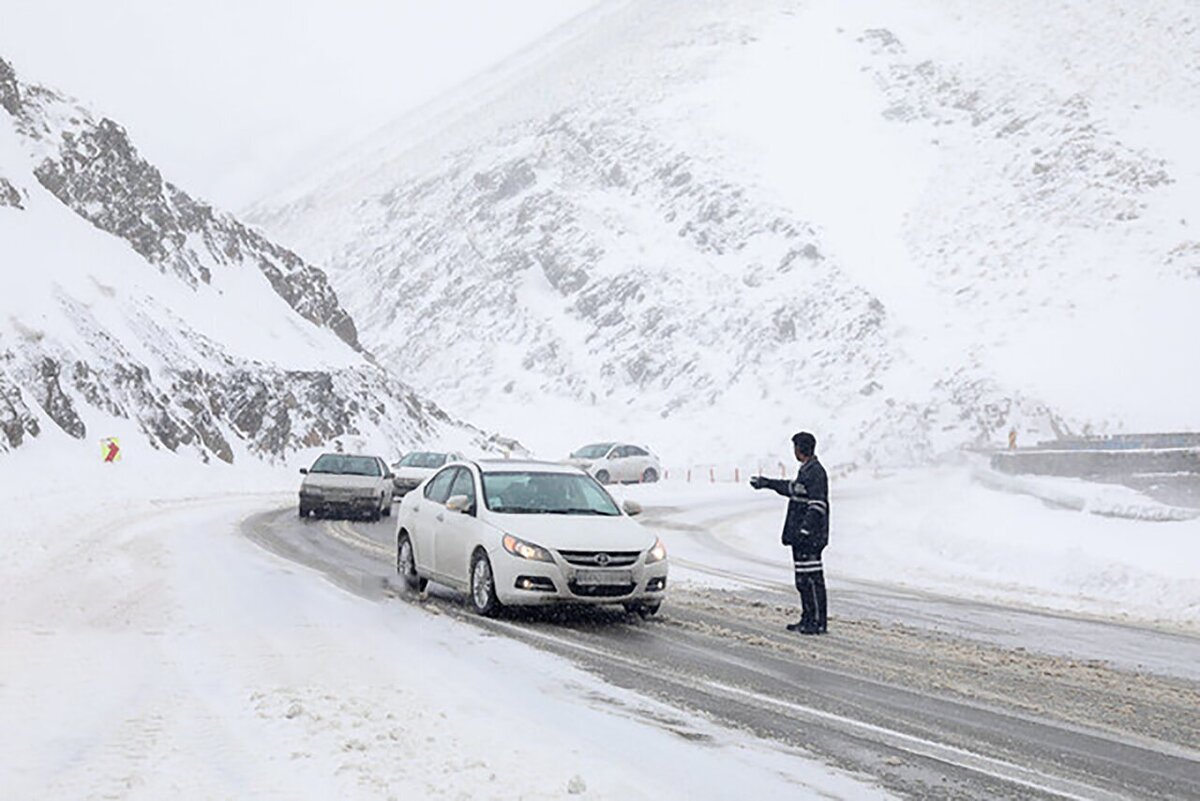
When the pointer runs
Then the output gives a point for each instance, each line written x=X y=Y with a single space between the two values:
x=438 y=489
x=620 y=453
x=464 y=484
x=634 y=450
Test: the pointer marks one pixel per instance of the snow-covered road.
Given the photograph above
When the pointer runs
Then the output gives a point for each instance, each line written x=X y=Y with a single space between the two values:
x=217 y=646
x=929 y=696
x=151 y=651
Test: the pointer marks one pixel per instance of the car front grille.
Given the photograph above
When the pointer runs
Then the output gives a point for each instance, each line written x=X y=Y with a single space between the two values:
x=601 y=591
x=600 y=558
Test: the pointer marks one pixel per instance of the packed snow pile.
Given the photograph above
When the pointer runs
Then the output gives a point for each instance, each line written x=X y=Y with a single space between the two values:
x=128 y=306
x=906 y=228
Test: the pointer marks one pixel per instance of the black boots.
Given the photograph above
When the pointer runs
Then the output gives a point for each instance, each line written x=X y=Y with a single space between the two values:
x=804 y=627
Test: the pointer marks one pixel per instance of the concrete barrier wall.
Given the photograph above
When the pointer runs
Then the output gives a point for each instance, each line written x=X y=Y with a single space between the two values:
x=1098 y=463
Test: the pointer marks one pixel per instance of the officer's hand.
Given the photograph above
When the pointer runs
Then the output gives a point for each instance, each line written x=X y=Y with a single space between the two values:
x=758 y=482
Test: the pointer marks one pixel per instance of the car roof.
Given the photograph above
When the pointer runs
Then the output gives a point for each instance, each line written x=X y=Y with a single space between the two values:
x=351 y=455
x=524 y=466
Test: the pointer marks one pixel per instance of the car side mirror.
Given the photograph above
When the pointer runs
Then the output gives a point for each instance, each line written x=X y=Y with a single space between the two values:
x=459 y=503
x=632 y=508
x=389 y=474
x=304 y=471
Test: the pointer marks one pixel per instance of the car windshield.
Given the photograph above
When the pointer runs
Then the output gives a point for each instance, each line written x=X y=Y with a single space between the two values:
x=346 y=465
x=529 y=493
x=422 y=459
x=592 y=451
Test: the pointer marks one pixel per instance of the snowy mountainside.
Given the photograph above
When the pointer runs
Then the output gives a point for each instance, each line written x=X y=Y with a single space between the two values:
x=129 y=305
x=908 y=228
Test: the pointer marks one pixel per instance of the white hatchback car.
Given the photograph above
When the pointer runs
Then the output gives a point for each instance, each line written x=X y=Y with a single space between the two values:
x=525 y=534
x=617 y=462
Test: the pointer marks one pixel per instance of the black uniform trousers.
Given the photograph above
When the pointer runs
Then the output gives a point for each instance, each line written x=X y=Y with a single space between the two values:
x=810 y=581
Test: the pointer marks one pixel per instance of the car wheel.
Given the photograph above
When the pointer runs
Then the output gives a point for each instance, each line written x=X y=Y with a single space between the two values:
x=602 y=476
x=483 y=587
x=387 y=507
x=406 y=566
x=303 y=511
x=643 y=610
x=650 y=476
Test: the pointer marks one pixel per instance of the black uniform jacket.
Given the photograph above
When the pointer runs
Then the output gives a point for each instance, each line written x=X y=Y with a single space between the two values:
x=807 y=522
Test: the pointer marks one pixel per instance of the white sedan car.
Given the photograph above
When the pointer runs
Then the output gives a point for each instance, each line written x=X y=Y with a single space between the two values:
x=527 y=533
x=339 y=483
x=617 y=462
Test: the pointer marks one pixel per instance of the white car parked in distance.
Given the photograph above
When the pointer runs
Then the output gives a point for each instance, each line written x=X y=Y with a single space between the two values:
x=527 y=533
x=340 y=483
x=617 y=462
x=415 y=467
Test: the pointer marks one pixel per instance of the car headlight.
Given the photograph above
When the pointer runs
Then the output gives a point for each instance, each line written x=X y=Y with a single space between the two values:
x=314 y=491
x=526 y=550
x=657 y=553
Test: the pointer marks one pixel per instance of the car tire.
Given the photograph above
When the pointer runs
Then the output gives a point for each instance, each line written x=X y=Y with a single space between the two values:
x=643 y=610
x=387 y=507
x=304 y=511
x=649 y=476
x=602 y=476
x=483 y=586
x=406 y=566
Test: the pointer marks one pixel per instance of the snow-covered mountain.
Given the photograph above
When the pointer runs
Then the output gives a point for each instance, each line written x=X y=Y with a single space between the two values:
x=704 y=224
x=127 y=306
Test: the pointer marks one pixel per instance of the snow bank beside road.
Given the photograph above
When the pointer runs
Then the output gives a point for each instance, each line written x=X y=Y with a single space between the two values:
x=150 y=651
x=941 y=530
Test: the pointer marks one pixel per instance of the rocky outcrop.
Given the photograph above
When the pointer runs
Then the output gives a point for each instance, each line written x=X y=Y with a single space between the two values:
x=96 y=170
x=9 y=195
x=16 y=421
x=122 y=353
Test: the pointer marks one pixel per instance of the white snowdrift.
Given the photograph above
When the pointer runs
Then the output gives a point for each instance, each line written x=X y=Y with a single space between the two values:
x=941 y=530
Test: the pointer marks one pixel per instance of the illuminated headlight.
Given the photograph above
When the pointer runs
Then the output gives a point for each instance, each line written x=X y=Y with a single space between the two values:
x=526 y=550
x=657 y=553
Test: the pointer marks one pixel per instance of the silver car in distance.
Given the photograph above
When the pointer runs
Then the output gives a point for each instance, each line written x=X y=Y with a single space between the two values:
x=527 y=534
x=346 y=484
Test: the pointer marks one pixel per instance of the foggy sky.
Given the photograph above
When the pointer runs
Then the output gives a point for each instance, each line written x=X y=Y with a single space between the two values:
x=232 y=98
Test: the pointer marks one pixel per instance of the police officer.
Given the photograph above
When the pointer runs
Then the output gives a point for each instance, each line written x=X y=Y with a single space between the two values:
x=806 y=529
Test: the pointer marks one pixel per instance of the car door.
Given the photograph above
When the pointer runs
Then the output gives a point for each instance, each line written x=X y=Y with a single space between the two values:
x=619 y=459
x=424 y=519
x=456 y=530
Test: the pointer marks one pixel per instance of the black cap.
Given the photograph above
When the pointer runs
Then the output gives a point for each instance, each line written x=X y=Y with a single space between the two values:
x=806 y=442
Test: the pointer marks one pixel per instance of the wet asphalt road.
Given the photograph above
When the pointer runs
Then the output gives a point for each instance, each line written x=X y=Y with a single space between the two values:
x=929 y=697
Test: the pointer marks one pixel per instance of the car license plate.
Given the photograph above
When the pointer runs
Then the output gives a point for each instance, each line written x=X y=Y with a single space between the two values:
x=603 y=578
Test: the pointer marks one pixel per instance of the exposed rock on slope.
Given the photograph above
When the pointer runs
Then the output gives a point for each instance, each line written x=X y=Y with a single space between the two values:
x=129 y=301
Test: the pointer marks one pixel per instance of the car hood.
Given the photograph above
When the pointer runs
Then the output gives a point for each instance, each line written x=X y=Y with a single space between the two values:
x=576 y=532
x=338 y=481
x=414 y=473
